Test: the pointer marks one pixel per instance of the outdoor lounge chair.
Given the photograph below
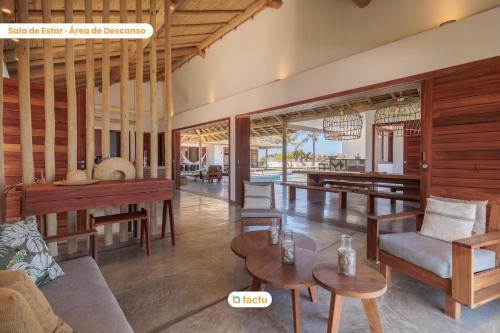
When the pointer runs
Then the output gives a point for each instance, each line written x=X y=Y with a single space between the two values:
x=258 y=204
x=465 y=269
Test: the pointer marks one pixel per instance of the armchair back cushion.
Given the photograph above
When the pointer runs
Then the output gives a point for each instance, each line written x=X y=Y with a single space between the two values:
x=258 y=195
x=429 y=253
x=448 y=221
x=480 y=219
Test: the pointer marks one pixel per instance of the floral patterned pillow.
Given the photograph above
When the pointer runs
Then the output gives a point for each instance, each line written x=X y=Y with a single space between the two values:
x=23 y=248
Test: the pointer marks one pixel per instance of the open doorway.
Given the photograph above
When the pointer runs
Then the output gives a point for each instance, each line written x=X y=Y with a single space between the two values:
x=204 y=159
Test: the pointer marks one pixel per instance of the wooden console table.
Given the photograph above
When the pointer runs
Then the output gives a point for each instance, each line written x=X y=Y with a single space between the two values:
x=41 y=199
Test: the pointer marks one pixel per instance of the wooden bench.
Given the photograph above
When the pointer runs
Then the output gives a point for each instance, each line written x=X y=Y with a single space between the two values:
x=342 y=191
x=393 y=196
x=141 y=215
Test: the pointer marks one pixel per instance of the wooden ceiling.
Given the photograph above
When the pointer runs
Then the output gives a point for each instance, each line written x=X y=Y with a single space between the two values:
x=196 y=25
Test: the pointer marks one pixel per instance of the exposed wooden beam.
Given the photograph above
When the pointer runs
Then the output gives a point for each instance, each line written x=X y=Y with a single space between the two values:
x=153 y=102
x=139 y=115
x=204 y=12
x=23 y=54
x=168 y=92
x=50 y=123
x=90 y=100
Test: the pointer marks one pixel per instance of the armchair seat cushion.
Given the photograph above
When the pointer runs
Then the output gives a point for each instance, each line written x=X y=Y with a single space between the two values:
x=430 y=253
x=83 y=299
x=260 y=213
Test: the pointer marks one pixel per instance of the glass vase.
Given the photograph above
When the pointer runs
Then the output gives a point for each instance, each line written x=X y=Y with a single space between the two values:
x=287 y=247
x=274 y=233
x=346 y=257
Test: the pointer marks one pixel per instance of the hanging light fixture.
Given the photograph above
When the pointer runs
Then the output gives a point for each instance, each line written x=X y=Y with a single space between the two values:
x=401 y=117
x=344 y=123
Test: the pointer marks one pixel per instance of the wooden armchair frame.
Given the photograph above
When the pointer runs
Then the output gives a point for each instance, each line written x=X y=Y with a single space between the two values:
x=464 y=287
x=214 y=172
x=246 y=221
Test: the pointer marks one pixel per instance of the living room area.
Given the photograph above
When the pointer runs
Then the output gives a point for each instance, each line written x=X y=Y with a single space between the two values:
x=250 y=166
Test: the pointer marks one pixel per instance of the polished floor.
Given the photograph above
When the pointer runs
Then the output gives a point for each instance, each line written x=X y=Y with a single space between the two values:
x=184 y=288
x=217 y=190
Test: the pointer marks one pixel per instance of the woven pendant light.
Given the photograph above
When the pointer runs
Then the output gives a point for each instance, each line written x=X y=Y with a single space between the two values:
x=344 y=123
x=401 y=117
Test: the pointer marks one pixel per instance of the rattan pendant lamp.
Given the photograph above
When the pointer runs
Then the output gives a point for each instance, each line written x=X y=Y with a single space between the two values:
x=401 y=117
x=344 y=123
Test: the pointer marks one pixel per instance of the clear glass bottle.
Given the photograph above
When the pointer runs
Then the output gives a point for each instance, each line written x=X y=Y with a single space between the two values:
x=274 y=233
x=287 y=247
x=346 y=257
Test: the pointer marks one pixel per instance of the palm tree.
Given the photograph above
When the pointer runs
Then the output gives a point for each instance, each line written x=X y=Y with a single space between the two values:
x=314 y=136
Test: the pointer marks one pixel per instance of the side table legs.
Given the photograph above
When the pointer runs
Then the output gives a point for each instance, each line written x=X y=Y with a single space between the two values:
x=372 y=314
x=296 y=310
x=313 y=294
x=371 y=310
x=335 y=312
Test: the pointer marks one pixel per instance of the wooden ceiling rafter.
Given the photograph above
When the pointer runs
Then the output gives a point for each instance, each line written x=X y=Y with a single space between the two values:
x=196 y=25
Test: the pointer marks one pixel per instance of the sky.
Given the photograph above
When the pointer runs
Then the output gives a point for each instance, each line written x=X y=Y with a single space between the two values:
x=323 y=147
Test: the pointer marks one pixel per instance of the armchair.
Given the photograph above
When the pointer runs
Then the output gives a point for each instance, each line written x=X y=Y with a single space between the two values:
x=214 y=172
x=466 y=270
x=258 y=204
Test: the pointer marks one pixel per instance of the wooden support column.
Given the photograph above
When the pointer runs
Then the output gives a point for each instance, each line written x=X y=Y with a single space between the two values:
x=124 y=107
x=168 y=91
x=284 y=160
x=72 y=114
x=50 y=122
x=3 y=212
x=153 y=104
x=25 y=102
x=106 y=113
x=139 y=113
x=90 y=101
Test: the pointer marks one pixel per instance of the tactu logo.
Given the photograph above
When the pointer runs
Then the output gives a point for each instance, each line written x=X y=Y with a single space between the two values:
x=249 y=299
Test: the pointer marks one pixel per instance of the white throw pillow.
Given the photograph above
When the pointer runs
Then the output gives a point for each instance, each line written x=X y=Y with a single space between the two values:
x=257 y=196
x=480 y=219
x=448 y=220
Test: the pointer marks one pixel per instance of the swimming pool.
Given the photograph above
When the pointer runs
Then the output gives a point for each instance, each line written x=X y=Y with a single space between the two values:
x=277 y=178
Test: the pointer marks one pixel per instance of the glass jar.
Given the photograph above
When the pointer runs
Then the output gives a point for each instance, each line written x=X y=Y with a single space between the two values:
x=346 y=257
x=287 y=247
x=274 y=233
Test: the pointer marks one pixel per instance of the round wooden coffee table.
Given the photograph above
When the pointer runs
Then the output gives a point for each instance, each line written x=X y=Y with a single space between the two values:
x=253 y=241
x=265 y=266
x=367 y=285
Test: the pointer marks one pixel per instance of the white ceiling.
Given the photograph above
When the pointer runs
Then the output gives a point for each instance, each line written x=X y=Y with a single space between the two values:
x=305 y=34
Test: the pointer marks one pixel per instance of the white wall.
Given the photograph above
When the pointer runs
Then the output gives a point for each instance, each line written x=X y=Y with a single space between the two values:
x=464 y=41
x=215 y=154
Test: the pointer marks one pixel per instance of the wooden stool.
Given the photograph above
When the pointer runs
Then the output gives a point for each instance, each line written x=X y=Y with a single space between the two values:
x=366 y=285
x=141 y=216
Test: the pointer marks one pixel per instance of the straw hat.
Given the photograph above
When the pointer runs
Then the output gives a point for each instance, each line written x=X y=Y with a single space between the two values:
x=76 y=177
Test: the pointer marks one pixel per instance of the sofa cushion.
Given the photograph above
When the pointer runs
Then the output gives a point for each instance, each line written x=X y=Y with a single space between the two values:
x=20 y=282
x=23 y=248
x=480 y=219
x=258 y=195
x=260 y=213
x=83 y=299
x=430 y=253
x=16 y=315
x=448 y=220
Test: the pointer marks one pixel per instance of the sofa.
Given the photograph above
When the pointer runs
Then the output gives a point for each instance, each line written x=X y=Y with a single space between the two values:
x=83 y=299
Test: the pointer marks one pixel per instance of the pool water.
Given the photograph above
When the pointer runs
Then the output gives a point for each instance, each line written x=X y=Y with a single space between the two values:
x=277 y=178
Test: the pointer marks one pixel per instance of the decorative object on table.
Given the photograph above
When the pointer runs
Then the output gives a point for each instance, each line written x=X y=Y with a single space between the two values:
x=344 y=123
x=401 y=117
x=23 y=248
x=258 y=205
x=37 y=303
x=274 y=233
x=346 y=257
x=114 y=168
x=287 y=247
x=76 y=178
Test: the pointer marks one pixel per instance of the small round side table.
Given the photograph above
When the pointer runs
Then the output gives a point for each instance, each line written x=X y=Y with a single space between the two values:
x=367 y=285
x=265 y=266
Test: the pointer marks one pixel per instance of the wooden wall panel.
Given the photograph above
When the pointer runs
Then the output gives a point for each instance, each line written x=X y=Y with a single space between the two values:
x=466 y=133
x=13 y=170
x=412 y=154
x=242 y=154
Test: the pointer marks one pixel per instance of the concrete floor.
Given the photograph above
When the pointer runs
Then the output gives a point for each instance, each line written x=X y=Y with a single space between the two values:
x=184 y=288
x=218 y=190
